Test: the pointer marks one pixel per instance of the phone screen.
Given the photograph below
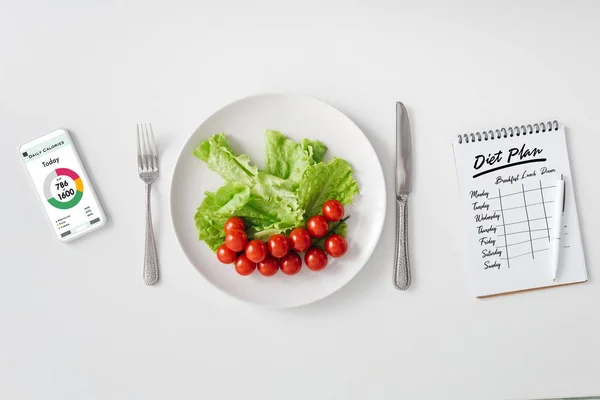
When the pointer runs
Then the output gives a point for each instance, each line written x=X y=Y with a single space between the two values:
x=62 y=184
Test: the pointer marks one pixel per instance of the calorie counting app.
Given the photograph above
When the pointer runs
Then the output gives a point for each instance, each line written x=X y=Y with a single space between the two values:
x=62 y=184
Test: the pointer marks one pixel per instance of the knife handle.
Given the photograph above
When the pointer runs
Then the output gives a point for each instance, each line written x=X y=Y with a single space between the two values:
x=401 y=262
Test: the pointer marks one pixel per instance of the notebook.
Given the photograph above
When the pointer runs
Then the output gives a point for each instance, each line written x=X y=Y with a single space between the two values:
x=507 y=180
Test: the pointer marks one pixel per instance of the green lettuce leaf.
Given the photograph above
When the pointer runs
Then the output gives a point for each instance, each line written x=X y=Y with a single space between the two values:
x=215 y=209
x=315 y=148
x=340 y=229
x=287 y=159
x=219 y=157
x=322 y=182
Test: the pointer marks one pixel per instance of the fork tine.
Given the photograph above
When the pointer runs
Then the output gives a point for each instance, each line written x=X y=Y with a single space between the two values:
x=139 y=148
x=147 y=146
x=149 y=160
x=153 y=149
x=144 y=157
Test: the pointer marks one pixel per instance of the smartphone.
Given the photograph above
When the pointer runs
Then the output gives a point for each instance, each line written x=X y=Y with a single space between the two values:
x=63 y=185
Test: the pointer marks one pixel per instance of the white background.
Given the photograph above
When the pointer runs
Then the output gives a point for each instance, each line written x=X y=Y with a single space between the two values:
x=76 y=320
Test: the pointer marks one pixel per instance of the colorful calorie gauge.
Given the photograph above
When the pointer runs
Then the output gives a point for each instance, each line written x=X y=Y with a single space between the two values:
x=63 y=188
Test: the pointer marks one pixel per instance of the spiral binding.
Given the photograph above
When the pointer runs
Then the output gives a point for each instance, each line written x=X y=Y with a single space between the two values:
x=508 y=132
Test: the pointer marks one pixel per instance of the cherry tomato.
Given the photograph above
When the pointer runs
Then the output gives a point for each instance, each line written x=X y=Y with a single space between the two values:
x=318 y=226
x=256 y=251
x=300 y=239
x=315 y=259
x=269 y=266
x=336 y=245
x=333 y=210
x=236 y=240
x=244 y=266
x=278 y=245
x=234 y=223
x=291 y=263
x=225 y=255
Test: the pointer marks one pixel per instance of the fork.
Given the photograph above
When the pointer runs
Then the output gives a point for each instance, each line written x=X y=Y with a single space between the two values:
x=148 y=172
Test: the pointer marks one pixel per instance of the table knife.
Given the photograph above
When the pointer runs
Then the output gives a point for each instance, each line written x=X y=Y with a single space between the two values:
x=403 y=188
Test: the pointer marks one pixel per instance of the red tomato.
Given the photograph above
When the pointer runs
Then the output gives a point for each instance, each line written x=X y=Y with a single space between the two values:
x=234 y=223
x=256 y=251
x=244 y=266
x=269 y=266
x=333 y=210
x=278 y=245
x=315 y=259
x=336 y=245
x=300 y=239
x=318 y=226
x=236 y=240
x=225 y=255
x=291 y=263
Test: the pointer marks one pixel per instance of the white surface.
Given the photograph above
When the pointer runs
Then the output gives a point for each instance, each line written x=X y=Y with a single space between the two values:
x=244 y=122
x=528 y=241
x=77 y=322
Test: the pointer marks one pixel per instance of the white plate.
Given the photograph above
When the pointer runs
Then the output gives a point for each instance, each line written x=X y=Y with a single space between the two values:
x=244 y=122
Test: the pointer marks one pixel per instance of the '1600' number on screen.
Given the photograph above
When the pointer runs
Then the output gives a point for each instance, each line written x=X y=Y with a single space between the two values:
x=66 y=194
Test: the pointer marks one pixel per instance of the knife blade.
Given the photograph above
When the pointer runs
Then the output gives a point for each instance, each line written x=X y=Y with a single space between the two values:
x=403 y=188
x=403 y=152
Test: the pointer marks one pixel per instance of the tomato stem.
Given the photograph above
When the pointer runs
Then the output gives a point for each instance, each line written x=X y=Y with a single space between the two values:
x=330 y=232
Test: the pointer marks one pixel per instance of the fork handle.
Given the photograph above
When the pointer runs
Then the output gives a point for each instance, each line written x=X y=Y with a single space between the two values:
x=150 y=258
